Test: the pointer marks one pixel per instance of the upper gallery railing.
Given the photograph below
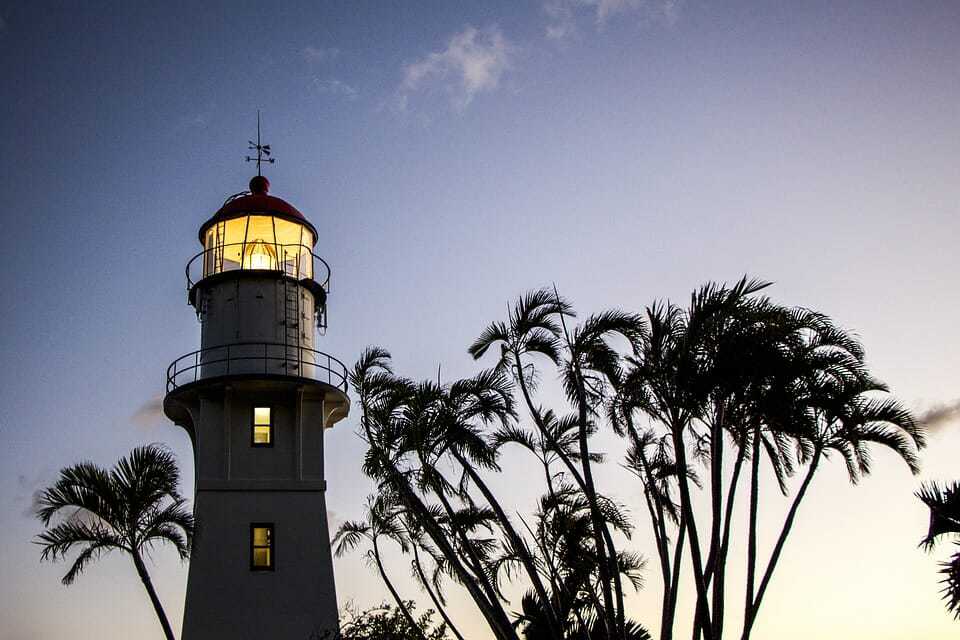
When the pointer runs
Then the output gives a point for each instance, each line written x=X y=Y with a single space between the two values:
x=295 y=260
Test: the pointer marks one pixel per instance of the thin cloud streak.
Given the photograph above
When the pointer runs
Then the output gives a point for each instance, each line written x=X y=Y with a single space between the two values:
x=335 y=87
x=319 y=54
x=940 y=416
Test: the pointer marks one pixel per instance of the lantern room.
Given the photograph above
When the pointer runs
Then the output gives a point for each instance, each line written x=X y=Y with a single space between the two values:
x=255 y=231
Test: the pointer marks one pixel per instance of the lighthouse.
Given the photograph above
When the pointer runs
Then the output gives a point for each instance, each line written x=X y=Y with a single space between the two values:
x=255 y=400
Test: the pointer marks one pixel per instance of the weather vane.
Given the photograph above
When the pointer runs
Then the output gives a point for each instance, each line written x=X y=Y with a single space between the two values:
x=263 y=150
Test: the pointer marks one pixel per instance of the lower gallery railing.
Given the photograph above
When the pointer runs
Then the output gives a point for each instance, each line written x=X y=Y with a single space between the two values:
x=251 y=358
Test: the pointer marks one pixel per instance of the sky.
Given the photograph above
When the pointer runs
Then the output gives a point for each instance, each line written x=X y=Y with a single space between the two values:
x=452 y=156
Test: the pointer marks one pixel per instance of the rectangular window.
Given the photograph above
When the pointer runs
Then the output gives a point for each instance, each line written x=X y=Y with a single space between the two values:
x=262 y=554
x=262 y=427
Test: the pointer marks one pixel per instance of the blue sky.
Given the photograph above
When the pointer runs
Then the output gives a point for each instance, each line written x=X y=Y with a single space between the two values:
x=453 y=155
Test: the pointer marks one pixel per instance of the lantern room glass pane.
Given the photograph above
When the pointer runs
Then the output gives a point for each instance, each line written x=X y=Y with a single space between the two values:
x=259 y=242
x=260 y=228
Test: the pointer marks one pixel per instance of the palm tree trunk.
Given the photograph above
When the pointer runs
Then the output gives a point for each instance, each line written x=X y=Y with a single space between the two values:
x=433 y=596
x=720 y=560
x=716 y=503
x=752 y=527
x=666 y=630
x=517 y=542
x=778 y=548
x=703 y=607
x=393 y=592
x=595 y=516
x=154 y=599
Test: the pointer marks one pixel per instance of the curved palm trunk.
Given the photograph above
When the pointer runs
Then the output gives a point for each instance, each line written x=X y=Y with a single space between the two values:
x=751 y=614
x=517 y=542
x=393 y=592
x=433 y=597
x=154 y=599
x=476 y=564
x=413 y=503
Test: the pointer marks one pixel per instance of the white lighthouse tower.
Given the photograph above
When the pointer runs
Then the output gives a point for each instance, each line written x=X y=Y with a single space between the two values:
x=255 y=400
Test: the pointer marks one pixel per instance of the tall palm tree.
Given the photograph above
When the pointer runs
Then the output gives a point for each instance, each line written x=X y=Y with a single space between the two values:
x=848 y=411
x=129 y=508
x=944 y=504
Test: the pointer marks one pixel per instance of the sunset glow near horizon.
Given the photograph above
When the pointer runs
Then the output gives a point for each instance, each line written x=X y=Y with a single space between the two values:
x=452 y=157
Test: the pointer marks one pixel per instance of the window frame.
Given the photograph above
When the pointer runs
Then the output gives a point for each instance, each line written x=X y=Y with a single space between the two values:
x=272 y=547
x=254 y=425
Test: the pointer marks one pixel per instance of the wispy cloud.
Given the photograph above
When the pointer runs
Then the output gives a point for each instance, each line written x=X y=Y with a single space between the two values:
x=563 y=15
x=319 y=54
x=149 y=413
x=472 y=62
x=941 y=415
x=335 y=87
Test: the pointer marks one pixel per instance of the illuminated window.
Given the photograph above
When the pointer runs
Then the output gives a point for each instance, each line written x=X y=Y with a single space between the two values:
x=262 y=427
x=262 y=554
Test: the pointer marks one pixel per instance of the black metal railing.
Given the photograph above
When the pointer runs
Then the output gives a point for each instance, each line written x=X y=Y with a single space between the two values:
x=295 y=260
x=256 y=358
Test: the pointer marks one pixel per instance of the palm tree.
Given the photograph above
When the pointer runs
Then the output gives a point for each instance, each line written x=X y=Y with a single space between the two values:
x=384 y=402
x=847 y=410
x=944 y=504
x=382 y=519
x=129 y=508
x=563 y=529
x=534 y=327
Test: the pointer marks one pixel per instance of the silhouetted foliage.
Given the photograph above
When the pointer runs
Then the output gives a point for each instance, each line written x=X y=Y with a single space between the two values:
x=732 y=375
x=944 y=504
x=129 y=508
x=388 y=623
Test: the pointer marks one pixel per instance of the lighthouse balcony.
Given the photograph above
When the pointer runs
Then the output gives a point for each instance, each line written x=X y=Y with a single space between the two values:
x=256 y=359
x=296 y=261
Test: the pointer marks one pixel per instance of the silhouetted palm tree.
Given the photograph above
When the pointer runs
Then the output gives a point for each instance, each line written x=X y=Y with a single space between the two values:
x=382 y=519
x=944 y=504
x=385 y=402
x=129 y=508
x=846 y=411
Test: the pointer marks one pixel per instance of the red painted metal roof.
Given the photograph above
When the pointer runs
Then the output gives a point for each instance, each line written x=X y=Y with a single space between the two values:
x=257 y=201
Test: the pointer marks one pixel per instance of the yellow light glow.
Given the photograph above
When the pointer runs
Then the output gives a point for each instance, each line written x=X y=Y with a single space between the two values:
x=262 y=547
x=260 y=255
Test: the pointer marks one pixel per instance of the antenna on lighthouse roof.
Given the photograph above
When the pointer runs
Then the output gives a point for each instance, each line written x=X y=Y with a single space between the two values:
x=263 y=150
